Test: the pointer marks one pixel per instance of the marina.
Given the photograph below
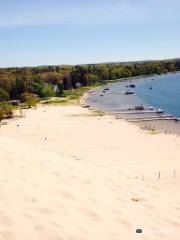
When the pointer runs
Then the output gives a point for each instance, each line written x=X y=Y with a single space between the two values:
x=152 y=100
x=154 y=114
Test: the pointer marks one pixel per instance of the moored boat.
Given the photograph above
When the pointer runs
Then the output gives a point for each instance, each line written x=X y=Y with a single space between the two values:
x=129 y=92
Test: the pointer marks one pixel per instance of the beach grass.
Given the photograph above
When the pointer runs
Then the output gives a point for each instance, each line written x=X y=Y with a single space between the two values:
x=149 y=129
x=98 y=113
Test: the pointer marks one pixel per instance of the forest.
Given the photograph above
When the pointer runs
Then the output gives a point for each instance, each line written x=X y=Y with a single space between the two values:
x=49 y=81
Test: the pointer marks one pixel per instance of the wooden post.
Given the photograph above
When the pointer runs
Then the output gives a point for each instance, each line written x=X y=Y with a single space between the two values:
x=142 y=177
x=17 y=128
x=20 y=110
x=159 y=175
x=174 y=173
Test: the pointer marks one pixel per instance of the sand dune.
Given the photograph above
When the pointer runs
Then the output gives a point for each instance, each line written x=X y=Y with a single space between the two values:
x=66 y=173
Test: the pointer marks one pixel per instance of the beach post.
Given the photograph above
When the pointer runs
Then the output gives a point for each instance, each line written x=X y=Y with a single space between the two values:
x=159 y=175
x=174 y=173
x=142 y=178
x=17 y=128
x=20 y=111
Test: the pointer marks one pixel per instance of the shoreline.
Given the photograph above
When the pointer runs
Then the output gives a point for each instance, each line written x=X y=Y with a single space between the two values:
x=142 y=76
x=145 y=126
x=163 y=126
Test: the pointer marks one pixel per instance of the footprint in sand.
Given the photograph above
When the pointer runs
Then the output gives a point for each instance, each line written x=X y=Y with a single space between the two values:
x=46 y=234
x=46 y=211
x=56 y=174
x=75 y=177
x=67 y=195
x=117 y=212
x=177 y=208
x=93 y=200
x=24 y=179
x=121 y=199
x=7 y=235
x=149 y=206
x=30 y=217
x=173 y=223
x=89 y=213
x=86 y=182
x=33 y=200
x=5 y=221
x=124 y=222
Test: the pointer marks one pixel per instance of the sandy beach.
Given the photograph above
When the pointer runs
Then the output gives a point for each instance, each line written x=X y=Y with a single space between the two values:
x=67 y=173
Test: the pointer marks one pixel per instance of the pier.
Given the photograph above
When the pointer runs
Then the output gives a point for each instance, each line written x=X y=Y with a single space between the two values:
x=137 y=112
x=143 y=115
x=151 y=118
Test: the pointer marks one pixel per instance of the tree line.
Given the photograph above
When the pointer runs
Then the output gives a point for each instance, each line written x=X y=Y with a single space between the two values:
x=47 y=81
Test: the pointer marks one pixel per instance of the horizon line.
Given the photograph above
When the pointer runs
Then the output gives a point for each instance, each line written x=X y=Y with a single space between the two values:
x=97 y=63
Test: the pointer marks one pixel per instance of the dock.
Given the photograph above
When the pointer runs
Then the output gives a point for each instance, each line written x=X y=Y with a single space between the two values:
x=148 y=117
x=133 y=108
x=153 y=118
x=137 y=112
x=129 y=114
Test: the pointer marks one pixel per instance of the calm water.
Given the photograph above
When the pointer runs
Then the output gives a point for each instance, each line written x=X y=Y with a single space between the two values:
x=165 y=93
x=157 y=91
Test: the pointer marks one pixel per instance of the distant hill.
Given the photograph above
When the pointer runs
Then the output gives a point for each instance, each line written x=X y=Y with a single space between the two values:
x=136 y=62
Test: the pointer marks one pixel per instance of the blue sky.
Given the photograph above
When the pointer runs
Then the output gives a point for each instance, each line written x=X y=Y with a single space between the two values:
x=47 y=32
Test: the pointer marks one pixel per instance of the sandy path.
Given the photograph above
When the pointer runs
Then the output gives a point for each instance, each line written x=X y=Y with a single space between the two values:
x=68 y=174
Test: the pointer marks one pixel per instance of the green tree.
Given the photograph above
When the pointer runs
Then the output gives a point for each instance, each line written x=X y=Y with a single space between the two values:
x=5 y=111
x=4 y=96
x=61 y=88
x=48 y=91
x=29 y=98
x=93 y=78
x=51 y=77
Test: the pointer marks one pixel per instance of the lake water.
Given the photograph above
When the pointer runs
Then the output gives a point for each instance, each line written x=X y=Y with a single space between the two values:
x=165 y=92
x=158 y=91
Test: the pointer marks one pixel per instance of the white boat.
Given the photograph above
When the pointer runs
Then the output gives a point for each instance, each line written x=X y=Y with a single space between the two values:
x=159 y=111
